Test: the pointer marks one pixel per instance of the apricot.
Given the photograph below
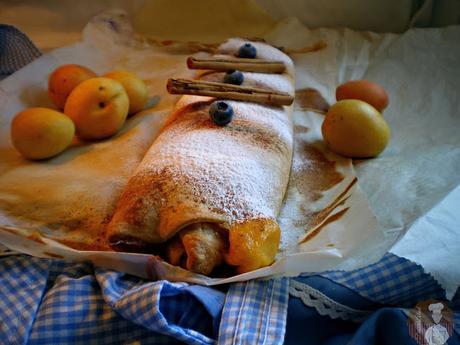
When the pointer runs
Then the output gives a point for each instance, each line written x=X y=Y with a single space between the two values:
x=134 y=87
x=98 y=107
x=39 y=133
x=64 y=79
x=356 y=129
x=363 y=90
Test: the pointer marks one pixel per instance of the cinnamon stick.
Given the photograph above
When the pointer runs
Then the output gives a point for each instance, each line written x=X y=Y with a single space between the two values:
x=240 y=64
x=228 y=91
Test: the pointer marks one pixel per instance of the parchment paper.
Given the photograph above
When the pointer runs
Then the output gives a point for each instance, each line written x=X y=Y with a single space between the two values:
x=351 y=241
x=412 y=186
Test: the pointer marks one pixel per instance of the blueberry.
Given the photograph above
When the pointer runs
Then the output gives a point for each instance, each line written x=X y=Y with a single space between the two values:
x=247 y=50
x=221 y=113
x=234 y=77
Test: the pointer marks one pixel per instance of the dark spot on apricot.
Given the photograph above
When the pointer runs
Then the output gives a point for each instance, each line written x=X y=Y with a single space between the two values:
x=101 y=104
x=101 y=88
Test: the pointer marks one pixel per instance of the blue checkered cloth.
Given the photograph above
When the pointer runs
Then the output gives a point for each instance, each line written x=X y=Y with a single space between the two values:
x=257 y=311
x=16 y=50
x=392 y=281
x=47 y=301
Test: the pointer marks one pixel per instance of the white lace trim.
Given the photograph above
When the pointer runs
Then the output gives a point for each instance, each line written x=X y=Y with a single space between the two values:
x=325 y=305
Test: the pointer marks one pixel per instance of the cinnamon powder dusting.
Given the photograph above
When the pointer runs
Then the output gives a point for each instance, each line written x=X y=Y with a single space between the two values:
x=311 y=99
x=317 y=46
x=312 y=175
x=9 y=230
x=53 y=255
x=36 y=237
x=329 y=220
x=97 y=243
x=315 y=218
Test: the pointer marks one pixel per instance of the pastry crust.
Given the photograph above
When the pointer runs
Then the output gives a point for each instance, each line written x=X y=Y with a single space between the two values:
x=198 y=177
